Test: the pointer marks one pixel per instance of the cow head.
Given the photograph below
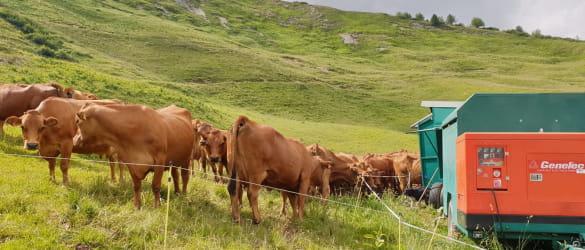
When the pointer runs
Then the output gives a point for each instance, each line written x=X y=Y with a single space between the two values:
x=83 y=122
x=33 y=125
x=75 y=94
x=314 y=149
x=202 y=130
x=216 y=144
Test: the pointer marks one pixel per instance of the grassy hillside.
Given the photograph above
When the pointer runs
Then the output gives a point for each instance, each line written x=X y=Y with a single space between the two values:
x=283 y=64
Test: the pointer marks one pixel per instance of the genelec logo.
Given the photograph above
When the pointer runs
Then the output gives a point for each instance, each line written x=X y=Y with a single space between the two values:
x=564 y=165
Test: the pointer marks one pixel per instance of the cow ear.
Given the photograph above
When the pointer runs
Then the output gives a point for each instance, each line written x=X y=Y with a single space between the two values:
x=81 y=116
x=51 y=121
x=14 y=121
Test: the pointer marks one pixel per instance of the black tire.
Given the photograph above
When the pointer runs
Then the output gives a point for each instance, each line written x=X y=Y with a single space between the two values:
x=435 y=195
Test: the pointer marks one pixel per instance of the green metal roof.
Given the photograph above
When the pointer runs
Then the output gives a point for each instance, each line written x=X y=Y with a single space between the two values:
x=549 y=112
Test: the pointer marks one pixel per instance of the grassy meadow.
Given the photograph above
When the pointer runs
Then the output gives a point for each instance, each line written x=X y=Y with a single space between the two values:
x=280 y=63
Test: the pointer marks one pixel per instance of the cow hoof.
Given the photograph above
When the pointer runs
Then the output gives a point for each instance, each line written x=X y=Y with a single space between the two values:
x=237 y=220
x=256 y=221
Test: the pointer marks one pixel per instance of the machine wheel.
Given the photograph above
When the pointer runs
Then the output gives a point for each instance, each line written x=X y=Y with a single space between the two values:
x=452 y=230
x=435 y=195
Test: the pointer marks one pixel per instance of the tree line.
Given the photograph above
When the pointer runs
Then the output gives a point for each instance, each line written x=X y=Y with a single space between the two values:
x=476 y=22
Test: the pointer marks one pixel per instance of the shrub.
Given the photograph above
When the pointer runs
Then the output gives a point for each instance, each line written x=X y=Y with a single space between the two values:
x=451 y=19
x=403 y=15
x=477 y=22
x=435 y=21
x=46 y=40
x=419 y=16
x=46 y=52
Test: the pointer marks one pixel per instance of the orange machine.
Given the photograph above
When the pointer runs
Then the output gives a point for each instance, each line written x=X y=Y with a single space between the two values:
x=521 y=182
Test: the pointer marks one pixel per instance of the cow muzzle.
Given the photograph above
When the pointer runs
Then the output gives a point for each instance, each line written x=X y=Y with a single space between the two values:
x=202 y=143
x=214 y=159
x=32 y=146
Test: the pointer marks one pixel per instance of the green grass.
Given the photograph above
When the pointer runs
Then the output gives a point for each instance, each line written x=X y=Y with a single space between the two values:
x=280 y=63
x=94 y=212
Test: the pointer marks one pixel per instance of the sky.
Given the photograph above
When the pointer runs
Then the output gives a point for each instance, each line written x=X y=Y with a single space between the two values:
x=561 y=18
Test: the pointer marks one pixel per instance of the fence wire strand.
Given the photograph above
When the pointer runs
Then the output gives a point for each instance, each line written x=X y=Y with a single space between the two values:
x=394 y=214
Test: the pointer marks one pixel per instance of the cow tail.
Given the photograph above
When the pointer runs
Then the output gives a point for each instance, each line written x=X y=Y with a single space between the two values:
x=232 y=185
x=231 y=155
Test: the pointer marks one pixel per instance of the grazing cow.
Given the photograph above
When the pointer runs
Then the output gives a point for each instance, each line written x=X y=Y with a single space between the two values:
x=50 y=128
x=319 y=180
x=342 y=177
x=15 y=99
x=76 y=94
x=259 y=155
x=370 y=176
x=81 y=147
x=380 y=165
x=214 y=145
x=140 y=137
x=180 y=141
x=407 y=168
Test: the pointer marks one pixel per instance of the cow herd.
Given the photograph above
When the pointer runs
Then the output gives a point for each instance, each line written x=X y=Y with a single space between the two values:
x=58 y=122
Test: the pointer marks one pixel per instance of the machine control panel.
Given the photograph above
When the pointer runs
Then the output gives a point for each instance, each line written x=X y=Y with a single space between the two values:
x=491 y=168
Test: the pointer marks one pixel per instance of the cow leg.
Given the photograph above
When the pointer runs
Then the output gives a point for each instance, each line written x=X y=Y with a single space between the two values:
x=156 y=184
x=283 y=208
x=1 y=127
x=52 y=163
x=137 y=185
x=220 y=171
x=294 y=203
x=235 y=190
x=203 y=164
x=185 y=178
x=214 y=169
x=121 y=167
x=66 y=149
x=65 y=169
x=253 y=191
x=176 y=180
x=303 y=189
x=112 y=168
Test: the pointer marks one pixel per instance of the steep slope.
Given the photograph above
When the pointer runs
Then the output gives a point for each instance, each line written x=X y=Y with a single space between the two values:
x=284 y=59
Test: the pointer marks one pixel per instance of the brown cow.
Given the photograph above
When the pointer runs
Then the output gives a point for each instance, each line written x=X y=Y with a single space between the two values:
x=180 y=141
x=214 y=145
x=262 y=156
x=407 y=167
x=76 y=94
x=50 y=128
x=141 y=138
x=319 y=180
x=199 y=128
x=15 y=99
x=342 y=177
